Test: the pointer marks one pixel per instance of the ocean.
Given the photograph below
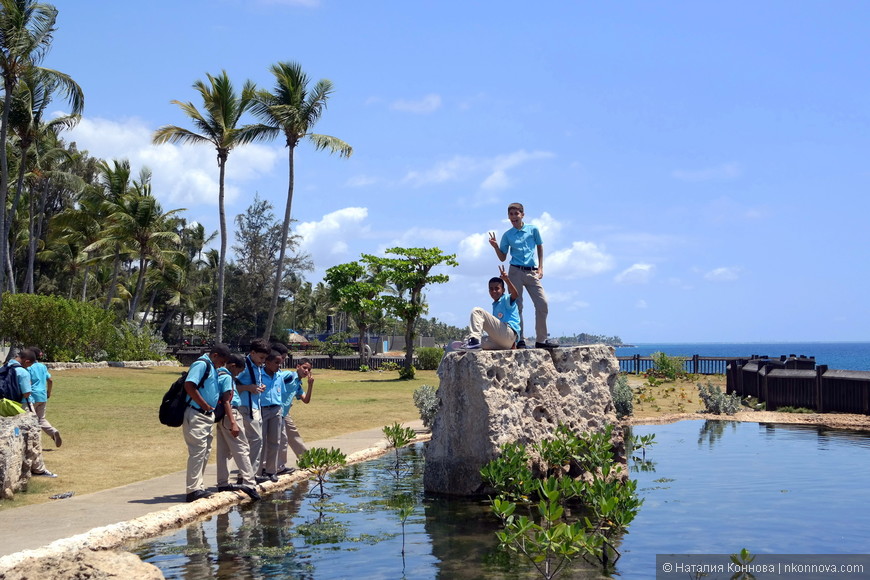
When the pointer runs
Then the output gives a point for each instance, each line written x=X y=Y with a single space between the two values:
x=853 y=356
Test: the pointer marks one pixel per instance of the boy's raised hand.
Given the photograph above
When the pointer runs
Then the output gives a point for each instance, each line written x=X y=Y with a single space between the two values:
x=492 y=241
x=502 y=273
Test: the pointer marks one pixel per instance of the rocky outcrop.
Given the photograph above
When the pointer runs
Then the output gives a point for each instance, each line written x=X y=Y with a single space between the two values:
x=20 y=445
x=489 y=398
x=85 y=565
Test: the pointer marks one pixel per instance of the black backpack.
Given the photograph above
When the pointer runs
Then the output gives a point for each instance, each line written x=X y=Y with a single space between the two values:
x=174 y=401
x=9 y=388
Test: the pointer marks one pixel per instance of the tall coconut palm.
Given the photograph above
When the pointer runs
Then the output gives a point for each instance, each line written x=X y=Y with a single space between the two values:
x=26 y=29
x=292 y=109
x=217 y=125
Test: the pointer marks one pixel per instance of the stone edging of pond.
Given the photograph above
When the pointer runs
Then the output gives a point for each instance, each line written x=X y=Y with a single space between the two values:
x=132 y=364
x=120 y=535
x=830 y=420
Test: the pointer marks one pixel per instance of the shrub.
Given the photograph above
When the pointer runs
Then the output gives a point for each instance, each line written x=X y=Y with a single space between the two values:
x=69 y=330
x=389 y=366
x=426 y=401
x=717 y=402
x=407 y=374
x=429 y=357
x=364 y=368
x=622 y=397
x=668 y=367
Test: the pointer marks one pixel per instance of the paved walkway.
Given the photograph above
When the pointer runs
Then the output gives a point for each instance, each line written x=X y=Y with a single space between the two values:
x=35 y=526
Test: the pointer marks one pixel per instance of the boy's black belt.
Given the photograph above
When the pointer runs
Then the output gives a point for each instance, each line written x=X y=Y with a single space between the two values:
x=526 y=268
x=270 y=406
x=198 y=410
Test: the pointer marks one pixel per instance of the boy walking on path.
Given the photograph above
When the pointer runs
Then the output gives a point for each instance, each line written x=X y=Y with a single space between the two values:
x=503 y=325
x=41 y=384
x=203 y=393
x=290 y=436
x=19 y=365
x=523 y=241
x=231 y=440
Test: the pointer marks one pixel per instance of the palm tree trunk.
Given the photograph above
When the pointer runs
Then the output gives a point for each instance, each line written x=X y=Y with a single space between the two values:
x=8 y=87
x=116 y=267
x=140 y=287
x=219 y=323
x=285 y=232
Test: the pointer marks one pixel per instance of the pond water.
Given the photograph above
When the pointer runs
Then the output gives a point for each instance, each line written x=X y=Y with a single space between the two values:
x=708 y=487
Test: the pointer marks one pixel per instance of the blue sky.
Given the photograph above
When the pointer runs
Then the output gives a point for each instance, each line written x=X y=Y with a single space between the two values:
x=699 y=170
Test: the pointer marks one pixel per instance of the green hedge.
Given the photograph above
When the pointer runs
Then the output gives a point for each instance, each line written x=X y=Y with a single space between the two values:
x=68 y=330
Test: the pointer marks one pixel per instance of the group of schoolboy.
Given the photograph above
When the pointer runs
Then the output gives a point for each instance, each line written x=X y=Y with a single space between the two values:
x=246 y=400
x=34 y=381
x=503 y=328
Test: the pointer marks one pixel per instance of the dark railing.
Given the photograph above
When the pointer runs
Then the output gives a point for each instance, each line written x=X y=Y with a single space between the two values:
x=696 y=364
x=799 y=383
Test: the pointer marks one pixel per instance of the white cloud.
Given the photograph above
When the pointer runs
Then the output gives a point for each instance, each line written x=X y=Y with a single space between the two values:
x=581 y=259
x=181 y=175
x=635 y=274
x=718 y=173
x=725 y=274
x=334 y=239
x=492 y=172
x=548 y=226
x=428 y=104
x=640 y=304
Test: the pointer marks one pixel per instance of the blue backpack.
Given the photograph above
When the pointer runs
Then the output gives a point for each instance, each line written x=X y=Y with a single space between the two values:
x=9 y=388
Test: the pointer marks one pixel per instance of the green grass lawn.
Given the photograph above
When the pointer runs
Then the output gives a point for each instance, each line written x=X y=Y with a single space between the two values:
x=111 y=435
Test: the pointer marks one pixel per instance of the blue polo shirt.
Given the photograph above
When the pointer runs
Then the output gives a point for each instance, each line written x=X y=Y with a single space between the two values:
x=246 y=398
x=274 y=393
x=292 y=389
x=505 y=309
x=522 y=243
x=225 y=380
x=23 y=381
x=39 y=376
x=210 y=390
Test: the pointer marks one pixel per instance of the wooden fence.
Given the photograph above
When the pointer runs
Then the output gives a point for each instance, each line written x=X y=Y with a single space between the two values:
x=799 y=385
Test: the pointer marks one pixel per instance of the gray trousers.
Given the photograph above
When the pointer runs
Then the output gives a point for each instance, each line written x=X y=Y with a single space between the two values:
x=235 y=448
x=528 y=280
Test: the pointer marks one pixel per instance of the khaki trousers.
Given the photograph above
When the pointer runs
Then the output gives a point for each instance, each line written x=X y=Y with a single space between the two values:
x=39 y=409
x=197 y=430
x=272 y=427
x=291 y=438
x=501 y=335
x=528 y=280
x=38 y=465
x=254 y=432
x=235 y=448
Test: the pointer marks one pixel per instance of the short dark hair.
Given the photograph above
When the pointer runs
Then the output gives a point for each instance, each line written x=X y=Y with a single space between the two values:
x=27 y=354
x=303 y=361
x=280 y=347
x=497 y=279
x=236 y=360
x=37 y=351
x=273 y=354
x=261 y=345
x=516 y=205
x=221 y=350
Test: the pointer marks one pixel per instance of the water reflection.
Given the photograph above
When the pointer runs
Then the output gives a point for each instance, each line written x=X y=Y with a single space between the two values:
x=708 y=486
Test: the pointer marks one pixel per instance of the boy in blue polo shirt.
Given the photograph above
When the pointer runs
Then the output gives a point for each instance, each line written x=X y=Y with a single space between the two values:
x=523 y=241
x=20 y=365
x=250 y=384
x=41 y=384
x=271 y=400
x=231 y=440
x=503 y=325
x=293 y=390
x=198 y=425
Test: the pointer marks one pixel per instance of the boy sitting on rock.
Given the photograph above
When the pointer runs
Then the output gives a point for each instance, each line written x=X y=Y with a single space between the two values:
x=503 y=325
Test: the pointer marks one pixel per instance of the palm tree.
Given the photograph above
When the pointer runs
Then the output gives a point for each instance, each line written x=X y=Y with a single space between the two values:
x=26 y=29
x=292 y=109
x=139 y=220
x=218 y=126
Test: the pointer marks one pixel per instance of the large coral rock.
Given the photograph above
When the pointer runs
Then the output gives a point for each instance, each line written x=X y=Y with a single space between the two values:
x=20 y=446
x=489 y=398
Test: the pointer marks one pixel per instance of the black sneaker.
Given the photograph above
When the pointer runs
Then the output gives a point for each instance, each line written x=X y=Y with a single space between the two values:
x=43 y=473
x=286 y=471
x=521 y=344
x=249 y=491
x=549 y=343
x=228 y=487
x=471 y=344
x=198 y=494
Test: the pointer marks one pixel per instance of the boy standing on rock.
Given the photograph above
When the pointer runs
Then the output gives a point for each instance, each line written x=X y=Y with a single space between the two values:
x=523 y=241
